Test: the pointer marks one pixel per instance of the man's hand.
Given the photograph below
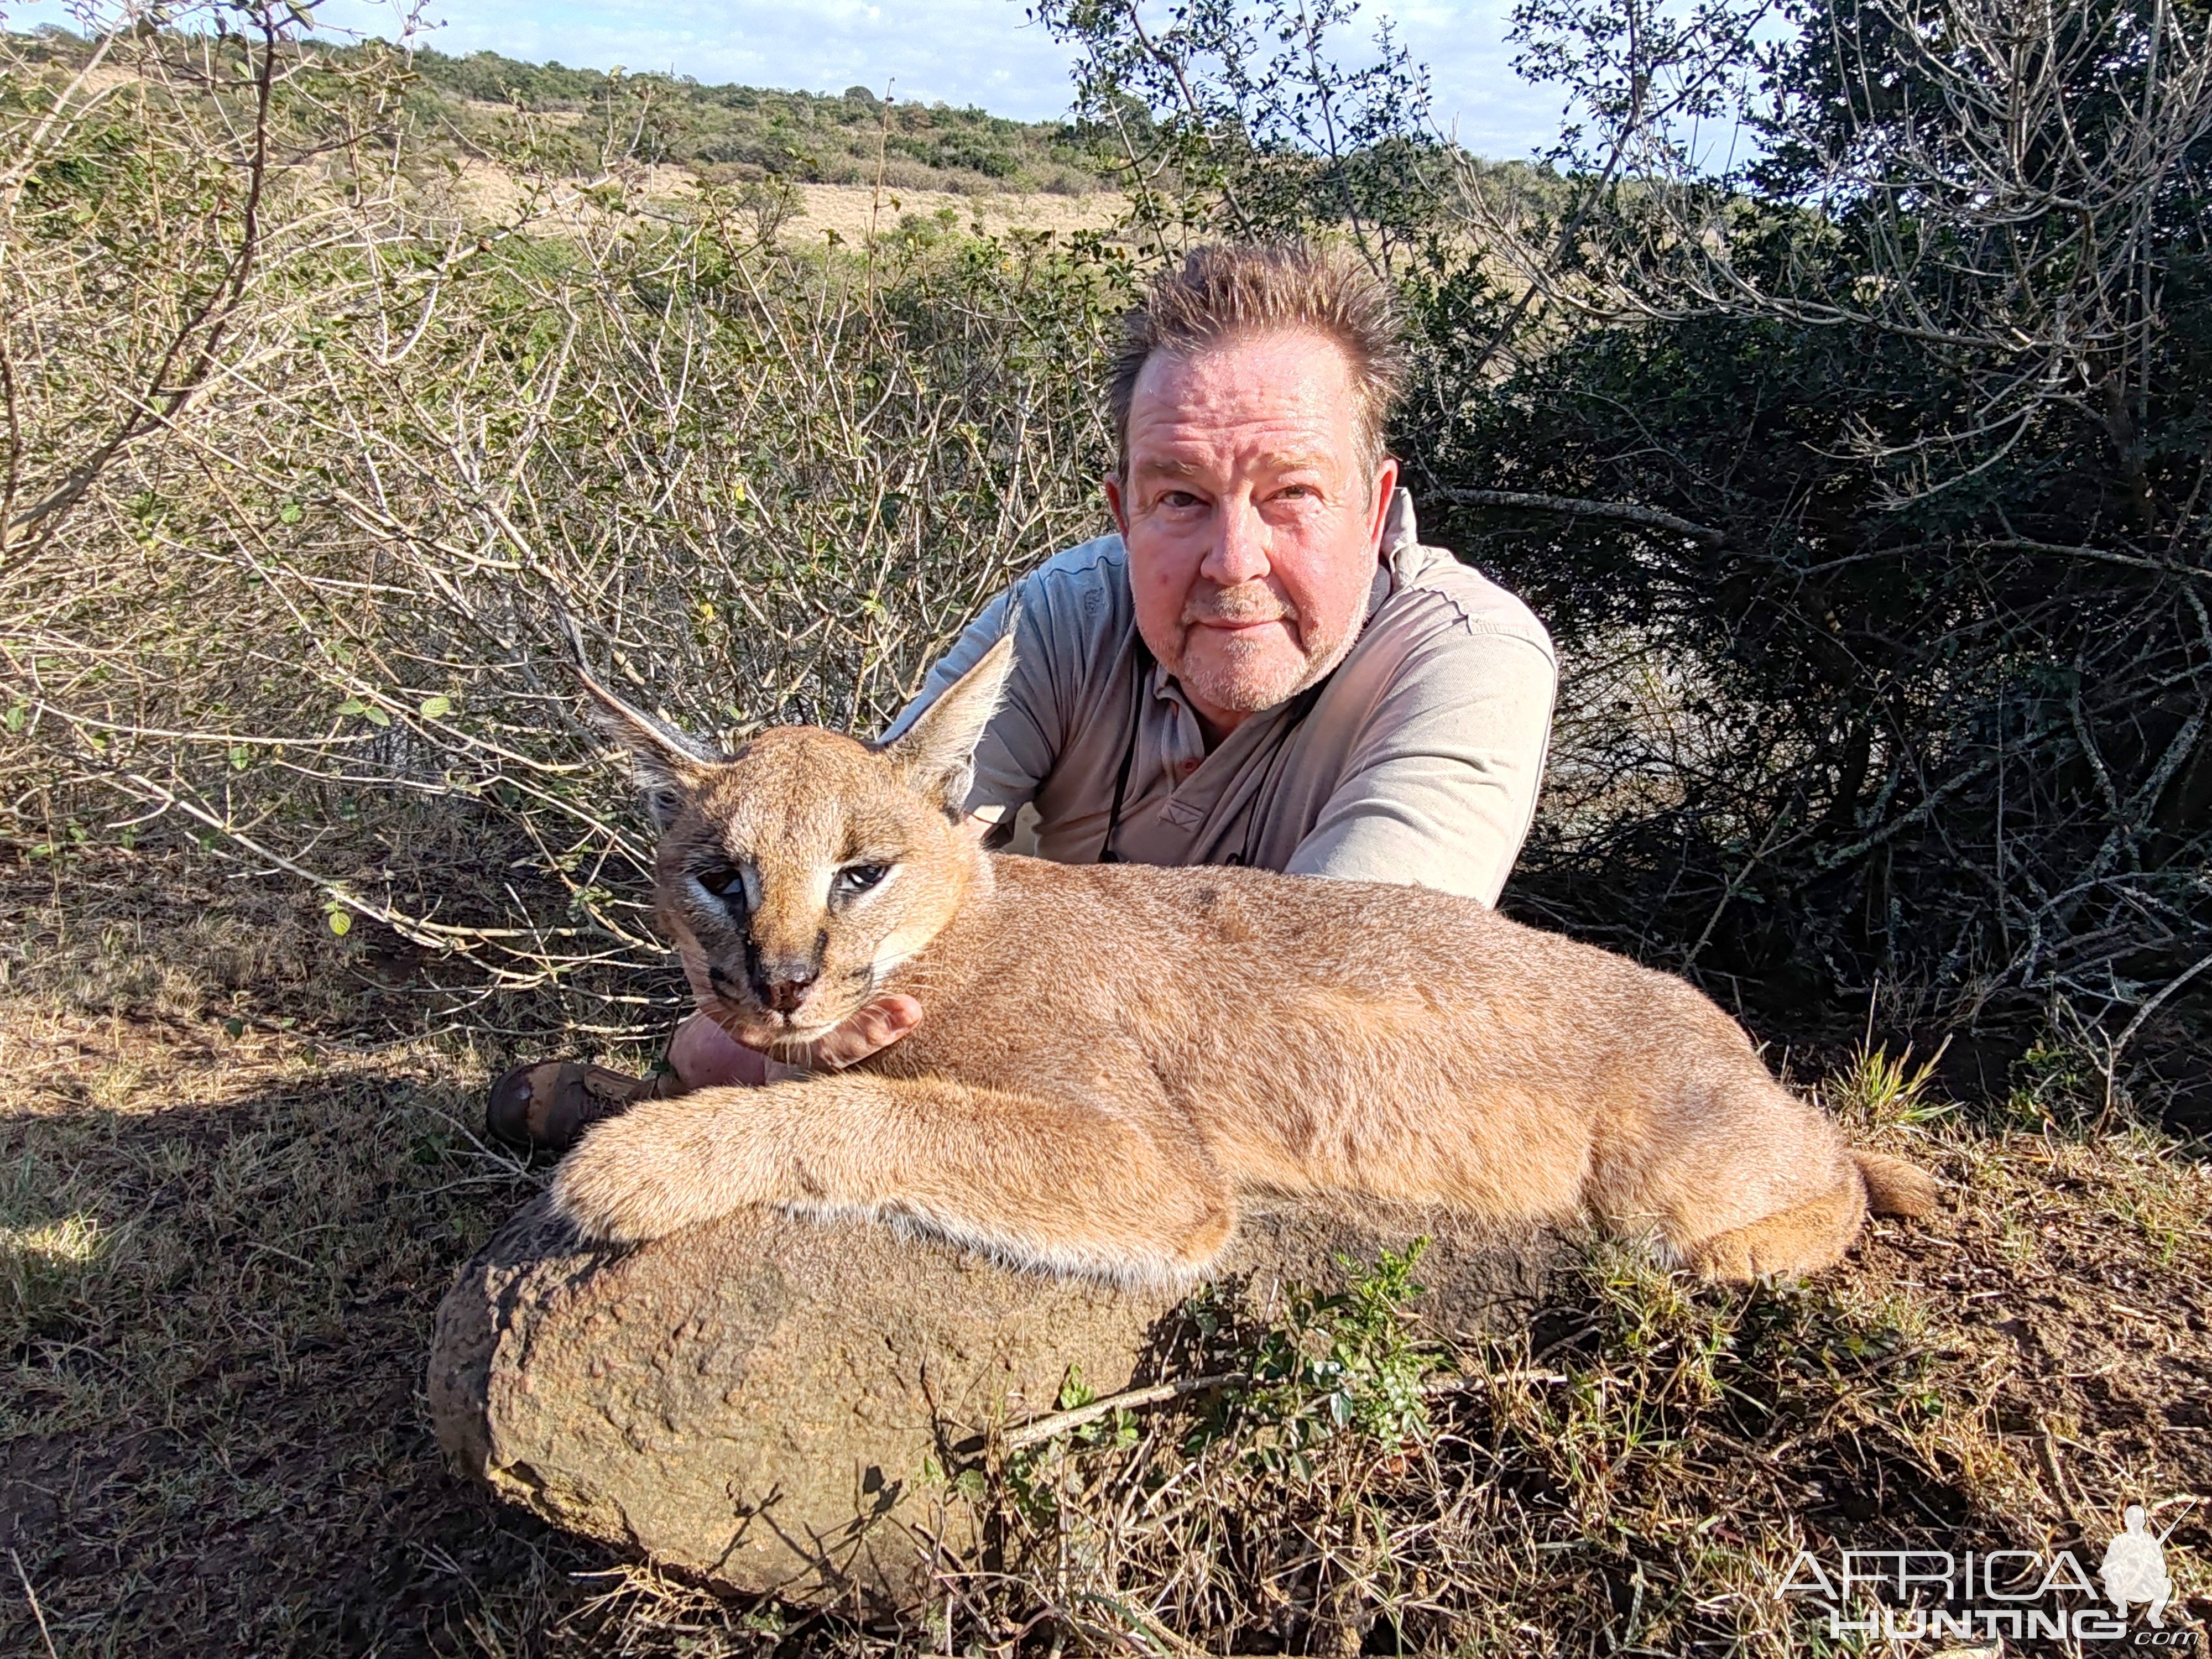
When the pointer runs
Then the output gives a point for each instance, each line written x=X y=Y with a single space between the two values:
x=704 y=1056
x=878 y=1026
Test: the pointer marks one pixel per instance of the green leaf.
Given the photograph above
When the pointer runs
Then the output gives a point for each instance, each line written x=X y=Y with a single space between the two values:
x=435 y=709
x=289 y=513
x=376 y=717
x=353 y=706
x=341 y=923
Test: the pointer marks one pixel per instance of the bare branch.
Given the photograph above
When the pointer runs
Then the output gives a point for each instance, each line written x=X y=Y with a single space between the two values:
x=1649 y=518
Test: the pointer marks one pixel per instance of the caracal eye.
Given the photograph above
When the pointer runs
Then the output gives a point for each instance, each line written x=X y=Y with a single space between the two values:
x=855 y=879
x=720 y=879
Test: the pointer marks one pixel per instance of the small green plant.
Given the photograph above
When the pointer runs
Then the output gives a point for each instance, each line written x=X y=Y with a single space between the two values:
x=1117 y=1429
x=1350 y=1362
x=2053 y=1083
x=1875 y=1089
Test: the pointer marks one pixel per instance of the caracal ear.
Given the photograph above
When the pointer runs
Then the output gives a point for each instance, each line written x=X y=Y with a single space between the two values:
x=936 y=753
x=664 y=762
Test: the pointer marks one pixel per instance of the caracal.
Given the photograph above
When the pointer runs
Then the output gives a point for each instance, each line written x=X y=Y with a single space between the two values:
x=1113 y=1057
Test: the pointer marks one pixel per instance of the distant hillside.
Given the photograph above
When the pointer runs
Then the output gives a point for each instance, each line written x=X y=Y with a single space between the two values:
x=584 y=119
x=736 y=132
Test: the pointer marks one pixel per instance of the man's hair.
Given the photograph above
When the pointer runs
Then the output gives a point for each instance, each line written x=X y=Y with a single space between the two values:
x=1229 y=290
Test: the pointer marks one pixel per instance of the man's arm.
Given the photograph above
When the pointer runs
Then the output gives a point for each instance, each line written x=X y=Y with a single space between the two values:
x=1442 y=793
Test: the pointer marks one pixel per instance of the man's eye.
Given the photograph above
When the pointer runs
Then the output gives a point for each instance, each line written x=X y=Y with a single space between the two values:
x=722 y=880
x=857 y=878
x=1179 y=499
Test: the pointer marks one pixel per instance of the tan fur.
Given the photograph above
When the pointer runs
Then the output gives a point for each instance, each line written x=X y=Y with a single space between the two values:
x=1112 y=1055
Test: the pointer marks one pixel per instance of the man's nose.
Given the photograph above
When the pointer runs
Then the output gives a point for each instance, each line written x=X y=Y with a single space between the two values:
x=1239 y=553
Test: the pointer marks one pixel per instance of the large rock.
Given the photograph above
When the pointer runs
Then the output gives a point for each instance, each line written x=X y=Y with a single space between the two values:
x=758 y=1405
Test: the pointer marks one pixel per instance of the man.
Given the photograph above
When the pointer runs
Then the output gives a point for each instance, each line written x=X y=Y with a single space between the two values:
x=1263 y=667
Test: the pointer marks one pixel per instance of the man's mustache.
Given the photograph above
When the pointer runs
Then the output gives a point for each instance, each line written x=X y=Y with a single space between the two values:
x=1241 y=607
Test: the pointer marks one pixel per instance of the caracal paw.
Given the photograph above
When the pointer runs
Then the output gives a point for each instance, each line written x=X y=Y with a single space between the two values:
x=630 y=1182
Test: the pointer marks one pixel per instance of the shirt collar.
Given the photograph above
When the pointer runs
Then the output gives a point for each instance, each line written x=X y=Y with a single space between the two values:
x=1400 y=530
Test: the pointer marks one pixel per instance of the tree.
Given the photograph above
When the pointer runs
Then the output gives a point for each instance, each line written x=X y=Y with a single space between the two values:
x=1916 y=388
x=1225 y=117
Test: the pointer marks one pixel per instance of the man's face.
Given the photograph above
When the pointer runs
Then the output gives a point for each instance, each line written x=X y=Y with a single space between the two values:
x=1251 y=522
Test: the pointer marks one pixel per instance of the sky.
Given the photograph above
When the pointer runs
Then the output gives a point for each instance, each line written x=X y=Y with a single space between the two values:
x=964 y=52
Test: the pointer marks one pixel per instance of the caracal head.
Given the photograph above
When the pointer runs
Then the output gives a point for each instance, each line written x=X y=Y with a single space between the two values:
x=796 y=874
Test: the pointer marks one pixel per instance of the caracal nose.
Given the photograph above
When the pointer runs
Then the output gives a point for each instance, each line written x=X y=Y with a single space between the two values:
x=782 y=986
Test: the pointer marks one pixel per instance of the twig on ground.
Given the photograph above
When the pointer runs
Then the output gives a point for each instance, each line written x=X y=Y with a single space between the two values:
x=1044 y=1428
x=37 y=1612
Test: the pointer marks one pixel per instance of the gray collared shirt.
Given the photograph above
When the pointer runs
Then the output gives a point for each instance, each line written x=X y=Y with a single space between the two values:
x=1418 y=763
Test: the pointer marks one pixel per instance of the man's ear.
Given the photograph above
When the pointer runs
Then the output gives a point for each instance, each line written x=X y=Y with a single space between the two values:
x=1385 y=488
x=664 y=762
x=1117 y=501
x=937 y=752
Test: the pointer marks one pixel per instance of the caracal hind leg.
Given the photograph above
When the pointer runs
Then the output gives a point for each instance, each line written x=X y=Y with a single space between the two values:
x=1741 y=1178
x=1084 y=1185
x=1814 y=1232
x=1801 y=1239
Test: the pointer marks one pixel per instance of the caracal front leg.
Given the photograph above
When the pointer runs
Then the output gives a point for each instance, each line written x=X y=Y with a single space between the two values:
x=1081 y=1185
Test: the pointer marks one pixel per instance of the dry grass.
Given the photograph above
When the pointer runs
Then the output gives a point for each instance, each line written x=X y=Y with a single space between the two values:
x=228 y=1212
x=236 y=1175
x=491 y=193
x=847 y=210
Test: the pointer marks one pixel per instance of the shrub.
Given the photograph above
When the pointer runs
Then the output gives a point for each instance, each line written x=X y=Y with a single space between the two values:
x=319 y=467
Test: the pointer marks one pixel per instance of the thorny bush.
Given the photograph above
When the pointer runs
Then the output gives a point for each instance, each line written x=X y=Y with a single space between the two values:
x=313 y=460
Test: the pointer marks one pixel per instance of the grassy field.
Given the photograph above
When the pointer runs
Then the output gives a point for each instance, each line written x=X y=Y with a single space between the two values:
x=850 y=212
x=239 y=1166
